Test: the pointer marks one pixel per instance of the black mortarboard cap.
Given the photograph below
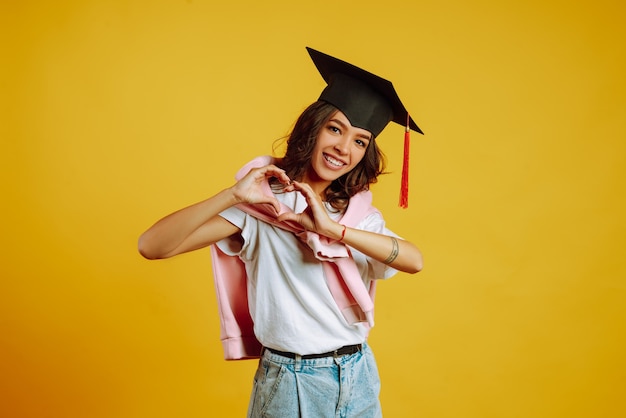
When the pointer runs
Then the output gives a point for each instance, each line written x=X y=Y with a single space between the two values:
x=368 y=101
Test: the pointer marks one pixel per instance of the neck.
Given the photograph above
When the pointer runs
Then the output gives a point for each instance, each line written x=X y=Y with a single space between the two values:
x=318 y=185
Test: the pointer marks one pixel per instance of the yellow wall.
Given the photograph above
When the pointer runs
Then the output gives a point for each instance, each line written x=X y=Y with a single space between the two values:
x=114 y=113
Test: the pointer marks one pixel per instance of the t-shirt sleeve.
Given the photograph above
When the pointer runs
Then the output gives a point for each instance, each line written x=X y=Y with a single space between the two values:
x=230 y=245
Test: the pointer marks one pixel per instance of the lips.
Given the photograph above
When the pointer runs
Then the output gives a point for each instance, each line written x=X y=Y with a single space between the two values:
x=333 y=161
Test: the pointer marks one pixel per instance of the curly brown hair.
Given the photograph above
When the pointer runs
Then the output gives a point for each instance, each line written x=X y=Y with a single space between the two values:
x=300 y=144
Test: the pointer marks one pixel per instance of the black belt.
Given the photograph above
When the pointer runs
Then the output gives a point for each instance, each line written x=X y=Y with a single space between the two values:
x=345 y=350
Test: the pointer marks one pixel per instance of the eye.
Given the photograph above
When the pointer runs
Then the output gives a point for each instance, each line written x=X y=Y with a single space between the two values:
x=334 y=129
x=362 y=142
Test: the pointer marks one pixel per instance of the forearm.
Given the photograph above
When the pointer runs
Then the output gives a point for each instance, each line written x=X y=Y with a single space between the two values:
x=397 y=253
x=168 y=234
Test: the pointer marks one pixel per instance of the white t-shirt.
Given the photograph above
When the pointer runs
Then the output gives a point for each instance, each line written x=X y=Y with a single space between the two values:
x=290 y=303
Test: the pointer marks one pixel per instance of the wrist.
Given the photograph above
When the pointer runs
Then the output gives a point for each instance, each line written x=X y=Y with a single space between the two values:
x=230 y=196
x=341 y=232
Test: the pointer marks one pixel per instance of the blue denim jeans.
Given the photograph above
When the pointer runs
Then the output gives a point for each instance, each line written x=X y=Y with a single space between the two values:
x=343 y=387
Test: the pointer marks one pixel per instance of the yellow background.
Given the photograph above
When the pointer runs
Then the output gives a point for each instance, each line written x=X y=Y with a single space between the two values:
x=115 y=113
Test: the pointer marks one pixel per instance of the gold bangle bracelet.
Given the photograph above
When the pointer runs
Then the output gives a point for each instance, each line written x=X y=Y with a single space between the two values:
x=394 y=251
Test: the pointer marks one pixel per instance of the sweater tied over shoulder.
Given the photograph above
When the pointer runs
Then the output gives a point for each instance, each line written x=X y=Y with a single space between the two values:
x=355 y=301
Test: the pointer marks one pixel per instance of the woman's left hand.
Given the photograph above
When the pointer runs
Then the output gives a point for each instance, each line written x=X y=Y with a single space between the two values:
x=314 y=218
x=398 y=253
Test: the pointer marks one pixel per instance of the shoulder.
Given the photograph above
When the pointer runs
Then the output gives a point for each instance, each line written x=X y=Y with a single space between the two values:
x=359 y=208
x=373 y=222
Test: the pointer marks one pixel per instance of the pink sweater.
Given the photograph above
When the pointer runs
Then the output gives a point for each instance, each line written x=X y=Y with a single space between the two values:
x=342 y=276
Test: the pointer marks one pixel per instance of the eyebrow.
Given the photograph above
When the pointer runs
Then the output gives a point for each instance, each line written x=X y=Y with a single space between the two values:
x=344 y=126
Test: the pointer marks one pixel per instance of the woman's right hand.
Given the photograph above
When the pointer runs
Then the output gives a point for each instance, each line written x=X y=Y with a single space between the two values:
x=199 y=225
x=250 y=188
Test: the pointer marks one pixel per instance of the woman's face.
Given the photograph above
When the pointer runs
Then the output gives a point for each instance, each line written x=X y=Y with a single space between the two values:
x=338 y=149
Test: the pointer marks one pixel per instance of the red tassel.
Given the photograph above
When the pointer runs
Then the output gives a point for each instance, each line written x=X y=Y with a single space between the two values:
x=404 y=187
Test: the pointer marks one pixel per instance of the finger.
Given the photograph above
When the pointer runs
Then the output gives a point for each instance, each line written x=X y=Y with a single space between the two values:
x=269 y=201
x=312 y=198
x=301 y=186
x=273 y=171
x=272 y=201
x=288 y=216
x=304 y=188
x=277 y=206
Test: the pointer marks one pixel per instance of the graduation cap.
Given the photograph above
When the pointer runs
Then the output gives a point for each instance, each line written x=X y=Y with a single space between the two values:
x=368 y=101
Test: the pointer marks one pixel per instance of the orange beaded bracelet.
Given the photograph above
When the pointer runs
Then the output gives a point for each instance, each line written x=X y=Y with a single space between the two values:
x=343 y=234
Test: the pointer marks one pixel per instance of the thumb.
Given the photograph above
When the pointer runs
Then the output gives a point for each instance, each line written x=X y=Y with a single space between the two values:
x=276 y=205
x=290 y=216
x=273 y=202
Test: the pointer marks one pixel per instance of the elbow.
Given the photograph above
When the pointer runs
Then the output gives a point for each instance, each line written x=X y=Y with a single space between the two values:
x=144 y=249
x=147 y=255
x=409 y=266
x=419 y=264
x=415 y=265
x=412 y=261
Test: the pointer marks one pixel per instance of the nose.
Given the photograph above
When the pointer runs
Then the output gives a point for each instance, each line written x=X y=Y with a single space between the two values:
x=342 y=145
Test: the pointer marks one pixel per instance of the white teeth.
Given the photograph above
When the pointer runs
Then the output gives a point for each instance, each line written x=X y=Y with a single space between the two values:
x=333 y=161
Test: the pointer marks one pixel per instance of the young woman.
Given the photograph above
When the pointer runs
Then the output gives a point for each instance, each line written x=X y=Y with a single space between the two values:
x=315 y=361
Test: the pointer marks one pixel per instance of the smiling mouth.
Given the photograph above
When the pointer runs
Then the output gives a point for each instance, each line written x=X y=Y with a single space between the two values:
x=333 y=161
